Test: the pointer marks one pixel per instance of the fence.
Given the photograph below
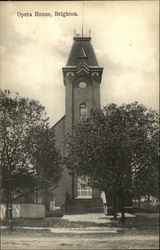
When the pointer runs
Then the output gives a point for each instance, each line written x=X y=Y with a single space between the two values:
x=24 y=210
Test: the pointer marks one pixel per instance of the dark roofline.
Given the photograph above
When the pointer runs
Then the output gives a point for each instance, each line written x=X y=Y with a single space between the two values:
x=74 y=68
x=82 y=38
x=58 y=122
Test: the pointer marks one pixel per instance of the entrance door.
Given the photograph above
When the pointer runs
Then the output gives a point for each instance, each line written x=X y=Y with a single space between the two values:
x=83 y=190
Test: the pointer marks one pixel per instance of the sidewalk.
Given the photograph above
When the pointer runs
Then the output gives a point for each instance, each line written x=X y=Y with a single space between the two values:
x=99 y=218
x=90 y=230
x=76 y=224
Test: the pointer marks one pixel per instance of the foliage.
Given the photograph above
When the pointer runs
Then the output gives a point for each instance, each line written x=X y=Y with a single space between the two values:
x=46 y=158
x=146 y=169
x=114 y=146
x=29 y=157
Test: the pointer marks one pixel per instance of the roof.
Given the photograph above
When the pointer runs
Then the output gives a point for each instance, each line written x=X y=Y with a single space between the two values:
x=53 y=127
x=82 y=51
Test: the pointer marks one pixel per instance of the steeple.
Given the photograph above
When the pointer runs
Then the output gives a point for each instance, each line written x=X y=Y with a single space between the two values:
x=82 y=58
x=82 y=51
x=82 y=79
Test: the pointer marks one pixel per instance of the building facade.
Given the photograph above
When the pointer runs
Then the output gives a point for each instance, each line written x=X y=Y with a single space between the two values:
x=82 y=79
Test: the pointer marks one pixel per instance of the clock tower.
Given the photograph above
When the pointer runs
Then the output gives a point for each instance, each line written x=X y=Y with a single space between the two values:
x=82 y=79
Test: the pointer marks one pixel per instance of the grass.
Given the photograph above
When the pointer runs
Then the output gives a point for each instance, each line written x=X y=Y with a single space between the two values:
x=142 y=221
x=147 y=221
x=140 y=232
x=53 y=222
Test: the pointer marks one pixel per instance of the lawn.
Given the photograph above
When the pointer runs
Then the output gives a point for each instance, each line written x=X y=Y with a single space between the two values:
x=52 y=222
x=142 y=221
x=140 y=232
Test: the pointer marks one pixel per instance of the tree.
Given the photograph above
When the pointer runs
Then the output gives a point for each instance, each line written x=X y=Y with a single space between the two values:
x=148 y=168
x=47 y=159
x=111 y=145
x=24 y=131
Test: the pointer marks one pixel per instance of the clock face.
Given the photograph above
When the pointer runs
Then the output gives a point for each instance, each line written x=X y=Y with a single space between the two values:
x=82 y=85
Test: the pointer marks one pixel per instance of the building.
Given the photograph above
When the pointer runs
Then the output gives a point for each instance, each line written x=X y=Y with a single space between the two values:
x=82 y=79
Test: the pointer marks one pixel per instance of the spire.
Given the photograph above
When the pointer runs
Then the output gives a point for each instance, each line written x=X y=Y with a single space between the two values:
x=82 y=17
x=82 y=51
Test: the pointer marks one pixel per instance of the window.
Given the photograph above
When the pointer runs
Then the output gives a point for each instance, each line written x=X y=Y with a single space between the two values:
x=83 y=190
x=52 y=204
x=82 y=111
x=38 y=196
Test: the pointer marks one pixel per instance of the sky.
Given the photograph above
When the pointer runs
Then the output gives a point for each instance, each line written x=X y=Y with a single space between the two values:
x=125 y=38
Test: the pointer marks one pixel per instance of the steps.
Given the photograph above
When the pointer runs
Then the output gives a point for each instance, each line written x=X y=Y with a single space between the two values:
x=80 y=206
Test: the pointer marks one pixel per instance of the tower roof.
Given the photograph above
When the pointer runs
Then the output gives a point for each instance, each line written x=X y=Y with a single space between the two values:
x=82 y=51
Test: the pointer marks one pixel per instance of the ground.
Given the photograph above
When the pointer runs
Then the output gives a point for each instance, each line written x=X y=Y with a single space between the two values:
x=46 y=240
x=85 y=232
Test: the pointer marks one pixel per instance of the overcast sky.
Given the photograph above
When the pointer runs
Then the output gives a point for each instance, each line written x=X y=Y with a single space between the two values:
x=124 y=36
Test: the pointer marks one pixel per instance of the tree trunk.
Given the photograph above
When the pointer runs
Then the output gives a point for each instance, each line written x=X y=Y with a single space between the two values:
x=36 y=193
x=10 y=212
x=73 y=185
x=122 y=209
x=138 y=197
x=10 y=201
x=7 y=202
x=114 y=200
x=139 y=202
x=105 y=202
x=123 y=216
x=114 y=206
x=148 y=198
x=46 y=198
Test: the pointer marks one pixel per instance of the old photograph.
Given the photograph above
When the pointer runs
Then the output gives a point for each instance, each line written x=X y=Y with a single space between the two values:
x=79 y=125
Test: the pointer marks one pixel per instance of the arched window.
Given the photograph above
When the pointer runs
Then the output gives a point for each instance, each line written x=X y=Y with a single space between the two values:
x=82 y=111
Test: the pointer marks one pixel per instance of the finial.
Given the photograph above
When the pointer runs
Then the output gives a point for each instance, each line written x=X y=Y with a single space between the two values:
x=82 y=16
x=89 y=32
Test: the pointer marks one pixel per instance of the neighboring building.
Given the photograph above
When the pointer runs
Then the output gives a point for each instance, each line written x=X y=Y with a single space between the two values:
x=82 y=79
